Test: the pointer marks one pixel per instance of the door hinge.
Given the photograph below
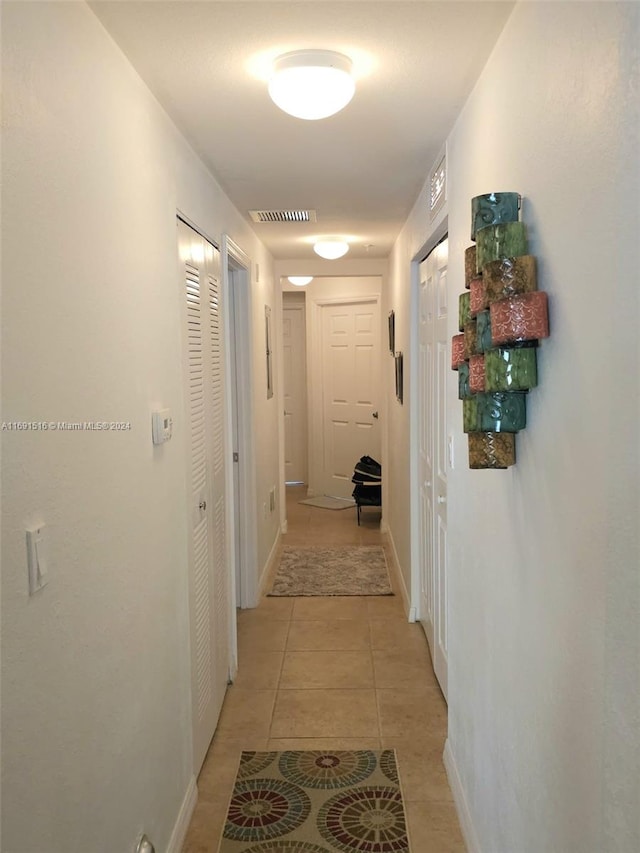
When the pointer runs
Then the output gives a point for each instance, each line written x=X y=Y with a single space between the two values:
x=236 y=456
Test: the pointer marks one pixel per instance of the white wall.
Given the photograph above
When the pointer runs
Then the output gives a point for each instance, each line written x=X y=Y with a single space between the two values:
x=266 y=418
x=544 y=615
x=345 y=266
x=95 y=704
x=336 y=287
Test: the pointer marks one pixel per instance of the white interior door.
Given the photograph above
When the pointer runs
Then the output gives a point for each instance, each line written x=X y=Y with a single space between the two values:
x=208 y=573
x=295 y=393
x=350 y=369
x=433 y=456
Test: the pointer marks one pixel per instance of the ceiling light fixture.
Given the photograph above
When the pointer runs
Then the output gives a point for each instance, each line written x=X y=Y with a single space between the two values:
x=331 y=249
x=299 y=280
x=312 y=84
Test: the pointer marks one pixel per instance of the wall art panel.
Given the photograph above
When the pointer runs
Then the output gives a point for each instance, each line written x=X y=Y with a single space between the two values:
x=502 y=318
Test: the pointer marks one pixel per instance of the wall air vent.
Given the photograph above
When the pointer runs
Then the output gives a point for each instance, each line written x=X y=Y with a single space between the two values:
x=283 y=215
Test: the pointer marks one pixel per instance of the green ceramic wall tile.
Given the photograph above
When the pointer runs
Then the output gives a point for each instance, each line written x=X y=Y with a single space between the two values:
x=483 y=331
x=502 y=411
x=506 y=240
x=470 y=417
x=490 y=208
x=508 y=369
x=470 y=265
x=464 y=310
x=463 y=381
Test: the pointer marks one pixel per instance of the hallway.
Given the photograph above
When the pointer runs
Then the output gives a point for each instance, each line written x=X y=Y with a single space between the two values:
x=98 y=160
x=341 y=673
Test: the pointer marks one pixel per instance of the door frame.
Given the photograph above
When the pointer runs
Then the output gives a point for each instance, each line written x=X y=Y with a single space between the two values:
x=439 y=233
x=314 y=380
x=236 y=286
x=197 y=747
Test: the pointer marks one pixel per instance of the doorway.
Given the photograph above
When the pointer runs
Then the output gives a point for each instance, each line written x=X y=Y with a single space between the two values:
x=430 y=456
x=344 y=383
x=241 y=510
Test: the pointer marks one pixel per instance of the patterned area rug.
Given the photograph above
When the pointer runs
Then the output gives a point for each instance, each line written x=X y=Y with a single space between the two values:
x=316 y=802
x=347 y=570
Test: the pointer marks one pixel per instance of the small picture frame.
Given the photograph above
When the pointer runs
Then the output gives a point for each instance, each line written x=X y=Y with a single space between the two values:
x=392 y=332
x=399 y=378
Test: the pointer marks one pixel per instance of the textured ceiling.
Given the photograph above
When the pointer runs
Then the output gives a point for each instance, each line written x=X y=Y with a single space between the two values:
x=362 y=169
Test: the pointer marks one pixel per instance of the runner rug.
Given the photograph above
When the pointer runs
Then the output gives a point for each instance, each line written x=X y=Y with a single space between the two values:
x=316 y=802
x=347 y=570
x=326 y=502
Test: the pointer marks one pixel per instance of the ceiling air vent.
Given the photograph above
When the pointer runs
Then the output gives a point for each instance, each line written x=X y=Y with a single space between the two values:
x=283 y=215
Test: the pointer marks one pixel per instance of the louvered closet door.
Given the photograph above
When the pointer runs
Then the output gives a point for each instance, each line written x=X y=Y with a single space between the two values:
x=216 y=446
x=208 y=576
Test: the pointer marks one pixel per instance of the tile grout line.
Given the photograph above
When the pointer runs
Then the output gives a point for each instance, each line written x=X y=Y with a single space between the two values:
x=375 y=680
x=278 y=688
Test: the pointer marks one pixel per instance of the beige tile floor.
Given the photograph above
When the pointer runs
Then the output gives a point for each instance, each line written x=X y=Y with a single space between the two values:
x=340 y=673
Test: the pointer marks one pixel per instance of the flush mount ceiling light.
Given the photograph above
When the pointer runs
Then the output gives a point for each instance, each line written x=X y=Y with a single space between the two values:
x=312 y=84
x=300 y=280
x=331 y=249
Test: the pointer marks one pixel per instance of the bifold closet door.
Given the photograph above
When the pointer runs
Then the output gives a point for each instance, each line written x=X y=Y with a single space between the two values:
x=208 y=572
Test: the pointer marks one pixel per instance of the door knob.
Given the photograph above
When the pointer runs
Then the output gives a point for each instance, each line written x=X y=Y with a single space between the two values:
x=202 y=505
x=375 y=415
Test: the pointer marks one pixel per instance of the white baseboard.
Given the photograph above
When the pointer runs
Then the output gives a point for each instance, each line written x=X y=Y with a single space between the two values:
x=184 y=818
x=462 y=807
x=265 y=575
x=406 y=603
